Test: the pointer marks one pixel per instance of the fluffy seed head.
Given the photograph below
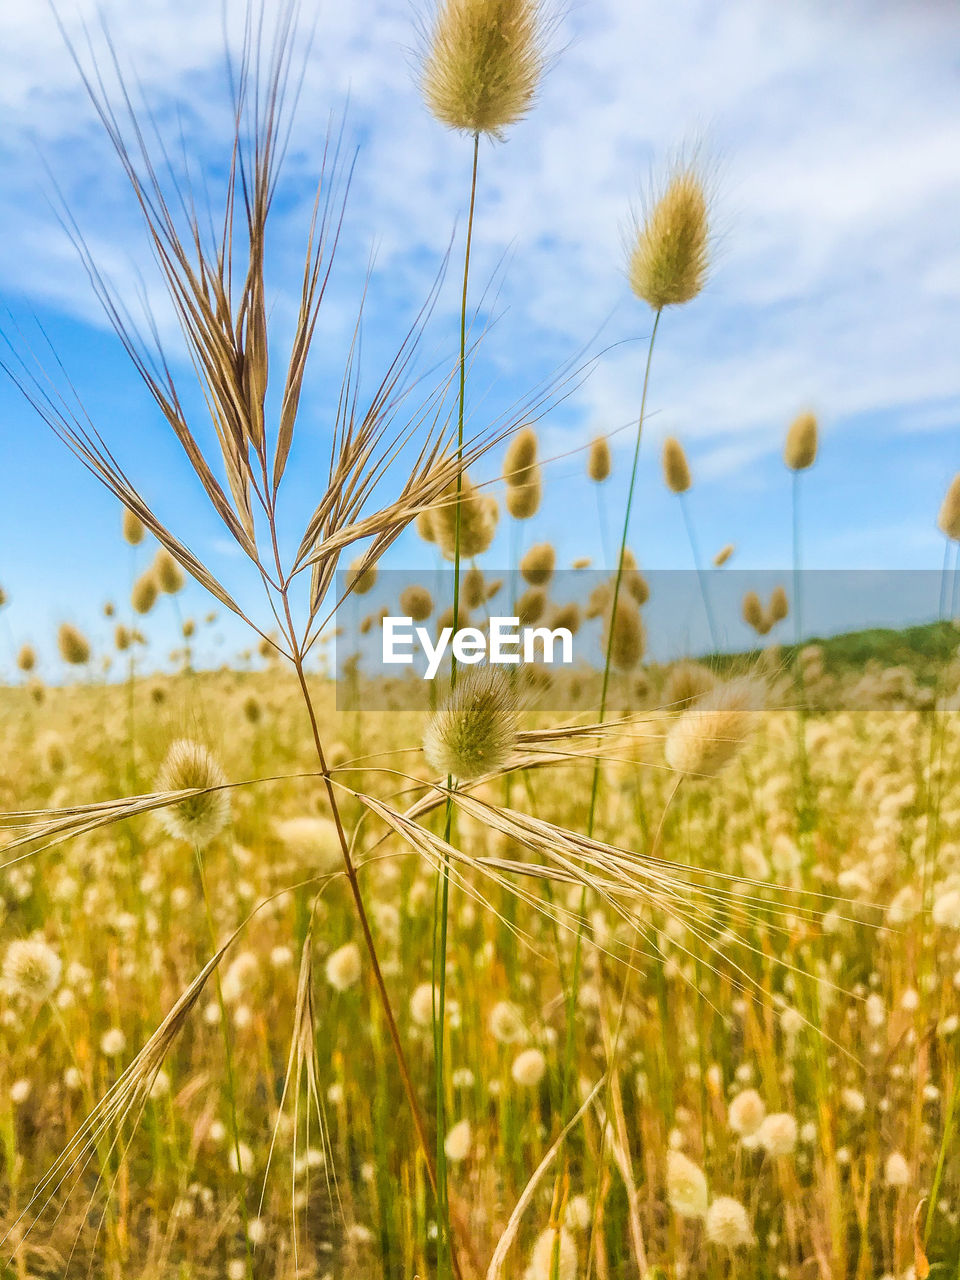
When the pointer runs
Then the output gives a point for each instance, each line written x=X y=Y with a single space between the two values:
x=473 y=588
x=73 y=645
x=728 y=1224
x=145 y=591
x=554 y=1254
x=473 y=732
x=416 y=603
x=344 y=967
x=483 y=63
x=746 y=1113
x=686 y=1186
x=632 y=579
x=424 y=526
x=752 y=612
x=196 y=819
x=538 y=564
x=948 y=521
x=778 y=1134
x=708 y=735
x=687 y=682
x=170 y=577
x=360 y=580
x=531 y=605
x=456 y=1145
x=779 y=605
x=676 y=471
x=31 y=969
x=800 y=449
x=27 y=658
x=567 y=616
x=122 y=638
x=478 y=521
x=599 y=463
x=520 y=460
x=523 y=500
x=133 y=528
x=723 y=555
x=669 y=259
x=896 y=1171
x=628 y=641
x=529 y=1068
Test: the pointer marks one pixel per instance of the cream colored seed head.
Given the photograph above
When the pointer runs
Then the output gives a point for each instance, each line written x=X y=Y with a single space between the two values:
x=424 y=526
x=948 y=521
x=520 y=461
x=724 y=554
x=676 y=471
x=668 y=263
x=199 y=818
x=800 y=449
x=483 y=63
x=474 y=731
x=538 y=564
x=73 y=645
x=687 y=682
x=599 y=463
x=708 y=735
x=416 y=603
x=144 y=594
x=170 y=577
x=133 y=528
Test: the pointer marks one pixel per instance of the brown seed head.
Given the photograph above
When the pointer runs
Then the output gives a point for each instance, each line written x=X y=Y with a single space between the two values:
x=628 y=641
x=73 y=645
x=538 y=564
x=724 y=554
x=145 y=591
x=170 y=577
x=779 y=605
x=416 y=603
x=478 y=520
x=27 y=658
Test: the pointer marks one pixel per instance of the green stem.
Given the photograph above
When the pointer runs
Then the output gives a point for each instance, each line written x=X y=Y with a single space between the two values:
x=444 y=1244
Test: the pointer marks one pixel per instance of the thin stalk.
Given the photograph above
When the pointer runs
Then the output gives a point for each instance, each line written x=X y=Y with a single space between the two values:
x=444 y=1245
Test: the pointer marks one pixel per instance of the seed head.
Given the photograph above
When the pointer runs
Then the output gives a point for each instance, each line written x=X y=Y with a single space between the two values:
x=483 y=63
x=668 y=263
x=779 y=605
x=598 y=460
x=948 y=521
x=531 y=605
x=473 y=588
x=133 y=528
x=73 y=645
x=520 y=461
x=170 y=577
x=145 y=591
x=27 y=658
x=473 y=732
x=554 y=1254
x=724 y=554
x=523 y=500
x=800 y=450
x=568 y=616
x=416 y=603
x=478 y=521
x=686 y=1186
x=728 y=1224
x=538 y=564
x=632 y=578
x=199 y=818
x=360 y=580
x=752 y=612
x=31 y=969
x=424 y=526
x=687 y=682
x=122 y=637
x=629 y=640
x=344 y=967
x=709 y=734
x=676 y=470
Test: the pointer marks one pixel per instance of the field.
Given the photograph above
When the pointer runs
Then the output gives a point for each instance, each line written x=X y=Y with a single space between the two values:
x=826 y=1004
x=643 y=968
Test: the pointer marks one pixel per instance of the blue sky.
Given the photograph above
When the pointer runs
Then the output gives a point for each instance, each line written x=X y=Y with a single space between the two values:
x=833 y=136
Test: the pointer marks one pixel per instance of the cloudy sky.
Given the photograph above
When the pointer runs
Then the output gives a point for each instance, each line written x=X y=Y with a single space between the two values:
x=831 y=133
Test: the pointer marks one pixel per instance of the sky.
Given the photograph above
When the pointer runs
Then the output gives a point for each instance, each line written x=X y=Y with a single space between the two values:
x=830 y=134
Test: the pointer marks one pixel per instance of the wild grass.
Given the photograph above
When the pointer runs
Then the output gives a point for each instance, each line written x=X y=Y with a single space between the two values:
x=288 y=991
